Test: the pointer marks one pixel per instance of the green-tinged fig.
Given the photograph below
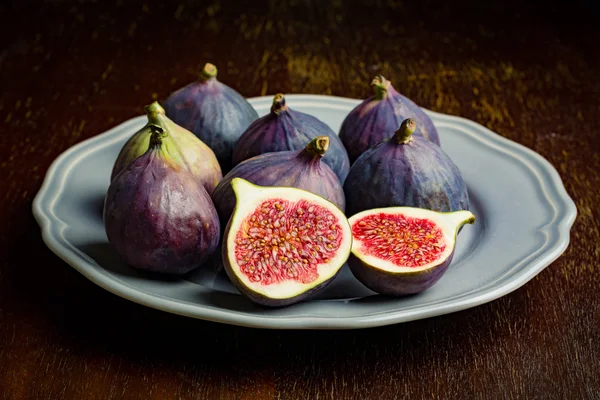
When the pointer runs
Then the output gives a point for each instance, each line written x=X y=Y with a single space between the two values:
x=184 y=148
x=403 y=250
x=157 y=215
x=283 y=244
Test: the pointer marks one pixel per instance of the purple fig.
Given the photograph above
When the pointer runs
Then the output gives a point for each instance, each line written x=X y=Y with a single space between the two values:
x=405 y=170
x=369 y=122
x=301 y=169
x=284 y=129
x=213 y=111
x=195 y=156
x=157 y=215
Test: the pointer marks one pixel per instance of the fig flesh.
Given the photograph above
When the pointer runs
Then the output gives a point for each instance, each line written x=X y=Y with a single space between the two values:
x=300 y=169
x=284 y=129
x=213 y=111
x=157 y=215
x=283 y=244
x=370 y=122
x=405 y=170
x=186 y=149
x=403 y=250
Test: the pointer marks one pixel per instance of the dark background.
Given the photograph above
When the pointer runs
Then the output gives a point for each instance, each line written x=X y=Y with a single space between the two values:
x=71 y=70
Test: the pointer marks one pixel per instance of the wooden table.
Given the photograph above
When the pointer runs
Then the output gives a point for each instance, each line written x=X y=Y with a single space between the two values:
x=71 y=70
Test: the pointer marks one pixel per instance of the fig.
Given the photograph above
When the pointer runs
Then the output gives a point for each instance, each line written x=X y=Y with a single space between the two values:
x=369 y=122
x=405 y=170
x=195 y=156
x=213 y=111
x=301 y=169
x=283 y=244
x=284 y=129
x=403 y=250
x=157 y=215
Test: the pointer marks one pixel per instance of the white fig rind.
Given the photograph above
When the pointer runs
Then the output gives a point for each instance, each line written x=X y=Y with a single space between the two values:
x=250 y=196
x=387 y=278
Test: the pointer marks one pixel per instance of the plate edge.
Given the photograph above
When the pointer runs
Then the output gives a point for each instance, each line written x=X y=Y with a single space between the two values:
x=556 y=249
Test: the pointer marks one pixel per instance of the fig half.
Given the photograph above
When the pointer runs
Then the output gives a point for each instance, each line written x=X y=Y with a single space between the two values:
x=403 y=250
x=283 y=244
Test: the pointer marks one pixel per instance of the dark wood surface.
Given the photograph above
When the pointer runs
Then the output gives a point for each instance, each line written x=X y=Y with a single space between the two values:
x=71 y=70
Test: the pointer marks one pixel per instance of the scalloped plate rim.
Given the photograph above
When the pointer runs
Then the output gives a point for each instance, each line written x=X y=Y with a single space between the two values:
x=52 y=228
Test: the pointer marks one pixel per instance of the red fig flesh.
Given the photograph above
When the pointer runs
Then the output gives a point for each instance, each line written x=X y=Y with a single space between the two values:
x=403 y=250
x=283 y=244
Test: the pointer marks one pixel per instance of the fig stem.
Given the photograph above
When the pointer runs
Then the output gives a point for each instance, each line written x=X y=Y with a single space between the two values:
x=156 y=137
x=380 y=85
x=154 y=109
x=318 y=146
x=460 y=218
x=209 y=71
x=404 y=133
x=156 y=115
x=278 y=104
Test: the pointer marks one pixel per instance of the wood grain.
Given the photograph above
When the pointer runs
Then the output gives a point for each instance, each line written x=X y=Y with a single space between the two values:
x=70 y=70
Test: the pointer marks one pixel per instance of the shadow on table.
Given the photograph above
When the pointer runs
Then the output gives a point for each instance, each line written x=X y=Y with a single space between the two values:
x=93 y=322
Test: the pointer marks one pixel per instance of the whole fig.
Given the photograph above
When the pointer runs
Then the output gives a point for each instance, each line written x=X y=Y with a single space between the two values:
x=284 y=129
x=369 y=122
x=405 y=170
x=157 y=215
x=213 y=111
x=195 y=156
x=301 y=169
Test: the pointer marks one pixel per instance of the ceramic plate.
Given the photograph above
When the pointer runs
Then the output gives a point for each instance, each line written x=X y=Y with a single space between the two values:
x=523 y=220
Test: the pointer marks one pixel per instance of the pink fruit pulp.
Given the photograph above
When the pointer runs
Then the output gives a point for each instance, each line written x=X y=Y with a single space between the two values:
x=283 y=240
x=402 y=240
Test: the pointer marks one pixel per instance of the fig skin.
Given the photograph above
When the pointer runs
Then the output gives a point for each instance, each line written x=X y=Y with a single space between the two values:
x=258 y=298
x=157 y=216
x=213 y=111
x=302 y=169
x=403 y=283
x=405 y=170
x=370 y=122
x=389 y=284
x=184 y=148
x=246 y=201
x=284 y=129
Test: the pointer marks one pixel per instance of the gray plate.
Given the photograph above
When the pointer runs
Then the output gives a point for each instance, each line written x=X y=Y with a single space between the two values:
x=523 y=220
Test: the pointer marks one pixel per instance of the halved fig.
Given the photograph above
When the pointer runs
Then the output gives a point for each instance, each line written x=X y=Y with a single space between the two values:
x=403 y=250
x=283 y=244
